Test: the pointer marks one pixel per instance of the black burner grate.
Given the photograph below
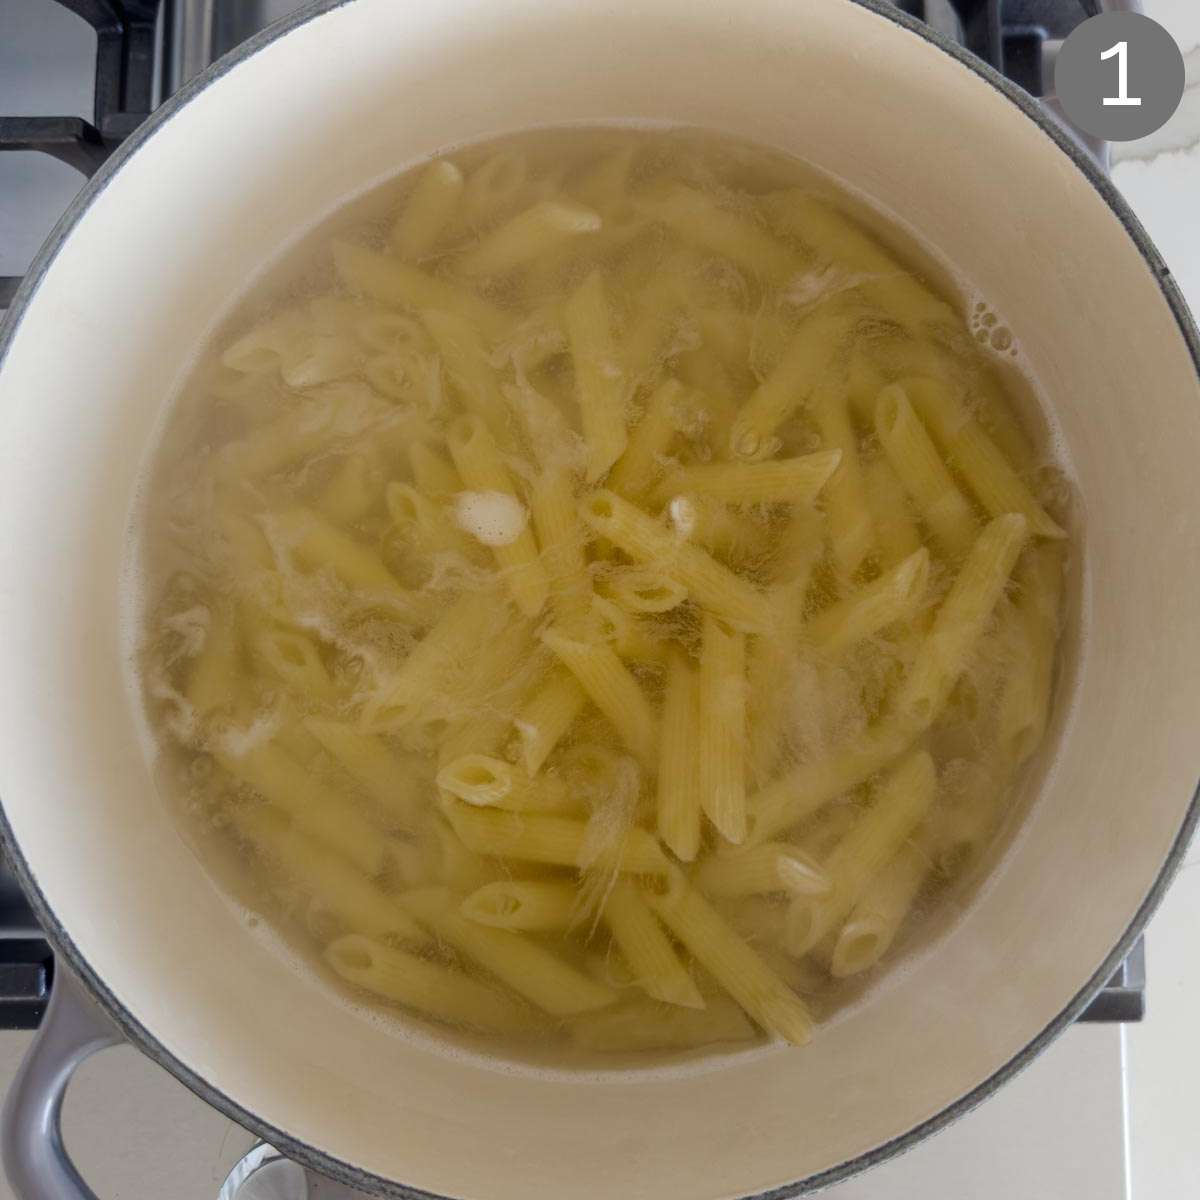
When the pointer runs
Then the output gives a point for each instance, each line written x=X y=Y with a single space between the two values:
x=127 y=42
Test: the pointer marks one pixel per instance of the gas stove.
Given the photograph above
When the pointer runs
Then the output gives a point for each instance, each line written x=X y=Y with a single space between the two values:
x=76 y=78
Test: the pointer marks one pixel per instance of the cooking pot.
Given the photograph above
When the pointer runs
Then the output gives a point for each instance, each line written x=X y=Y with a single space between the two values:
x=216 y=185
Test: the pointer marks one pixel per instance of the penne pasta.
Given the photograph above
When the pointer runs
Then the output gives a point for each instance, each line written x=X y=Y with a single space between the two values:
x=895 y=525
x=770 y=868
x=546 y=717
x=646 y=949
x=644 y=1025
x=803 y=365
x=400 y=285
x=599 y=380
x=886 y=901
x=294 y=660
x=556 y=841
x=772 y=657
x=807 y=788
x=490 y=782
x=838 y=240
x=904 y=798
x=462 y=629
x=466 y=363
x=697 y=218
x=536 y=232
x=851 y=529
x=649 y=441
x=714 y=526
x=479 y=462
x=428 y=210
x=978 y=459
x=678 y=775
x=780 y=481
x=1025 y=698
x=427 y=525
x=447 y=862
x=397 y=786
x=213 y=675
x=644 y=590
x=896 y=595
x=960 y=621
x=430 y=988
x=524 y=905
x=721 y=726
x=915 y=459
x=708 y=582
x=611 y=687
x=565 y=599
x=523 y=965
x=561 y=541
x=317 y=810
x=496 y=186
x=357 y=904
x=317 y=544
x=732 y=962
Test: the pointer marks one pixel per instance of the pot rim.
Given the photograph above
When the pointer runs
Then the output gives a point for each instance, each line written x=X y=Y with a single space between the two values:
x=321 y=1160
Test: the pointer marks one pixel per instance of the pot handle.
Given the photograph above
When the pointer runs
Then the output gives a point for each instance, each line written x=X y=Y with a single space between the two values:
x=31 y=1142
x=1098 y=149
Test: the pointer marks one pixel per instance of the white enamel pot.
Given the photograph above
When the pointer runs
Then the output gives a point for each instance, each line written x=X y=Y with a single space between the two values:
x=259 y=149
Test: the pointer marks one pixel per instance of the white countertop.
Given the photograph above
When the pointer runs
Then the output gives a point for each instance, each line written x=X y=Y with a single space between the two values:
x=1160 y=176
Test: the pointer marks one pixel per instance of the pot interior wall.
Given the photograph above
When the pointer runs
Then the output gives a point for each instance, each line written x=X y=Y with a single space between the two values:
x=323 y=114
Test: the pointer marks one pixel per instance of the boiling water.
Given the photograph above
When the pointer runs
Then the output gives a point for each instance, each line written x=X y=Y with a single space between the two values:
x=585 y=608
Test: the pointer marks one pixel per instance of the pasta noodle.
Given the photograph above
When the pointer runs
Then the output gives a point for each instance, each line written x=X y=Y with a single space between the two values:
x=733 y=963
x=556 y=841
x=523 y=965
x=801 y=368
x=428 y=210
x=851 y=528
x=678 y=773
x=896 y=595
x=426 y=986
x=904 y=799
x=771 y=867
x=648 y=441
x=479 y=463
x=646 y=949
x=781 y=481
x=527 y=236
x=708 y=582
x=599 y=381
x=721 y=728
x=876 y=918
x=1025 y=700
x=528 y=905
x=356 y=902
x=611 y=687
x=987 y=472
x=547 y=716
x=915 y=460
x=960 y=620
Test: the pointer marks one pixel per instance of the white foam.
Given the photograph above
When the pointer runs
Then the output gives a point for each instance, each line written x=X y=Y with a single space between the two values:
x=493 y=518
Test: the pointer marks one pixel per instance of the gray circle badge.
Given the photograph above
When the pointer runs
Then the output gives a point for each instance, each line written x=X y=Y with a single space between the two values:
x=1119 y=76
